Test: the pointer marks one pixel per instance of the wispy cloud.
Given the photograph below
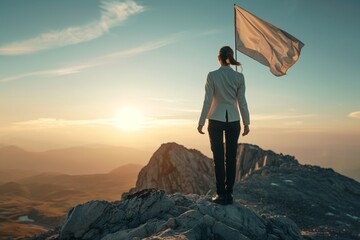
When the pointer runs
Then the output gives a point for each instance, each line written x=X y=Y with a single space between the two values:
x=160 y=123
x=294 y=124
x=113 y=13
x=50 y=73
x=146 y=122
x=354 y=114
x=53 y=122
x=168 y=100
x=263 y=117
x=96 y=61
x=185 y=110
x=211 y=32
x=145 y=47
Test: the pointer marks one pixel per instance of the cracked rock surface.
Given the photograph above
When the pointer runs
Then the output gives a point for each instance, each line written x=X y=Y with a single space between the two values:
x=152 y=214
x=275 y=197
x=323 y=203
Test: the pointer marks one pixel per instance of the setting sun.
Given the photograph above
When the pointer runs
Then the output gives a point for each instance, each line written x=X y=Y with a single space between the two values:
x=129 y=119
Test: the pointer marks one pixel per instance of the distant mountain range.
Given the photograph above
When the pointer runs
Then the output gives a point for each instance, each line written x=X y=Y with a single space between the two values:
x=48 y=186
x=74 y=160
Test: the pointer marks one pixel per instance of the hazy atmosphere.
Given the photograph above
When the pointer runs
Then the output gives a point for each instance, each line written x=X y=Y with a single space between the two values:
x=132 y=74
x=100 y=102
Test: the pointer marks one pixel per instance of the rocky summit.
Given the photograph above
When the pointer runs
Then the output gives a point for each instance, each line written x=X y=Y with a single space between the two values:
x=174 y=168
x=152 y=214
x=323 y=203
x=275 y=197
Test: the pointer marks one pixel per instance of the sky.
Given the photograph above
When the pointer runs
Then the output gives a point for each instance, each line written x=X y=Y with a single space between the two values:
x=132 y=73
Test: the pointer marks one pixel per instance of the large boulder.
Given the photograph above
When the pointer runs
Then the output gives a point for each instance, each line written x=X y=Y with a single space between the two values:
x=174 y=168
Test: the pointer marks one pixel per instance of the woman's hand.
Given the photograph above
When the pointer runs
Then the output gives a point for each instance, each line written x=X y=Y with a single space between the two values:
x=246 y=130
x=199 y=128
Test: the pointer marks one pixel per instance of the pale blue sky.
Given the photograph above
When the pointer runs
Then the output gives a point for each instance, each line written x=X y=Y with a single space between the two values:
x=78 y=60
x=323 y=81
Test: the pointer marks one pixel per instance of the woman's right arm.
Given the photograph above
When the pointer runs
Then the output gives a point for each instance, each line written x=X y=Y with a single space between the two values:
x=243 y=104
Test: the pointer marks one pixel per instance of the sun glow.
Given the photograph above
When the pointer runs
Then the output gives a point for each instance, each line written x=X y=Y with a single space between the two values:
x=129 y=119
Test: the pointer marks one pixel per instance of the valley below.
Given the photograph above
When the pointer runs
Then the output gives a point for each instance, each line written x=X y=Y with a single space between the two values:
x=35 y=204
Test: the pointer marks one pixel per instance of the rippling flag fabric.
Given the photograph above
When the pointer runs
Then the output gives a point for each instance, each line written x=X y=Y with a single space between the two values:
x=265 y=43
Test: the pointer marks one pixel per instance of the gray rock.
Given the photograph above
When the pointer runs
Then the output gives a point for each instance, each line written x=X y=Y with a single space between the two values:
x=283 y=228
x=251 y=158
x=174 y=168
x=80 y=219
x=275 y=197
x=236 y=216
x=316 y=199
x=152 y=214
x=223 y=231
x=272 y=184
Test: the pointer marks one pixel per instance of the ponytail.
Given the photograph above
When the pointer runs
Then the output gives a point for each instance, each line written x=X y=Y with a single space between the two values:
x=227 y=56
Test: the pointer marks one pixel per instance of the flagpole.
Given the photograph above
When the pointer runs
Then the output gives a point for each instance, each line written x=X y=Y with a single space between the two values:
x=235 y=35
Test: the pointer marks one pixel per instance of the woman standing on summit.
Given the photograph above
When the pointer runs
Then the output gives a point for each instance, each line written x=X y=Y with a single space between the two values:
x=224 y=96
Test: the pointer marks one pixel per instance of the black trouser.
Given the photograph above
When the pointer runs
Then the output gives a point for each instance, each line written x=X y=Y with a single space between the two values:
x=216 y=133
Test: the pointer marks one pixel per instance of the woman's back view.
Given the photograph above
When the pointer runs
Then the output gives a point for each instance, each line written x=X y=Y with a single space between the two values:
x=225 y=91
x=224 y=95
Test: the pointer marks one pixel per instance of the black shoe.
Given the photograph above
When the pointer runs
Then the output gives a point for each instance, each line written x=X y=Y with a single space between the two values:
x=229 y=198
x=219 y=199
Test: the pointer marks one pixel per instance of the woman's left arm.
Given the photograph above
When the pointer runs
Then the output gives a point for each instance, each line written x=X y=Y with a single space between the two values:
x=209 y=93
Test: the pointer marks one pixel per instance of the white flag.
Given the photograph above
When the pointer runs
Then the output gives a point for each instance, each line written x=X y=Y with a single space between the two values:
x=265 y=43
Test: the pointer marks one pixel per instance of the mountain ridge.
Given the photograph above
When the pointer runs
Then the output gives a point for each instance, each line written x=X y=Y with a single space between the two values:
x=283 y=198
x=74 y=160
